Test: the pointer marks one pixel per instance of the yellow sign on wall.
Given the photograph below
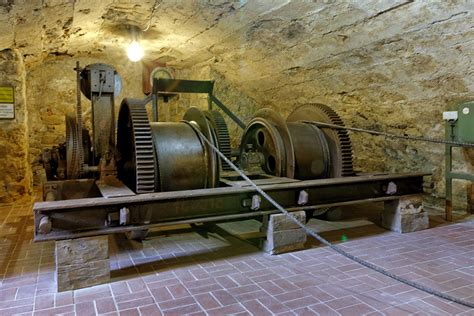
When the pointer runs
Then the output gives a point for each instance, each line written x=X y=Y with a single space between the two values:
x=6 y=95
x=7 y=103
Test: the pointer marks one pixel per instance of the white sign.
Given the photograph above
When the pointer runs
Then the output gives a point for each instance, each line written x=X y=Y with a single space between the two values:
x=7 y=111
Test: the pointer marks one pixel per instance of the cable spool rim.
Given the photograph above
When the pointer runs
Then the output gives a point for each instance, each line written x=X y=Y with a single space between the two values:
x=276 y=126
x=278 y=154
x=194 y=114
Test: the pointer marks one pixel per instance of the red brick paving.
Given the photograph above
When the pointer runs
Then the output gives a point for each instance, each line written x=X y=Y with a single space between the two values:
x=186 y=273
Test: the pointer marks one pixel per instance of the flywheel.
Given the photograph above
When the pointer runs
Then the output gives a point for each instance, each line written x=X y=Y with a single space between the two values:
x=73 y=164
x=77 y=154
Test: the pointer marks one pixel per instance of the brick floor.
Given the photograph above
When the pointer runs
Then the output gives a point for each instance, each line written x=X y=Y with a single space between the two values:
x=204 y=273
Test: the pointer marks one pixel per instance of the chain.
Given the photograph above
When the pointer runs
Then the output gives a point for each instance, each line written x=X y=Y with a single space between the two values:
x=390 y=135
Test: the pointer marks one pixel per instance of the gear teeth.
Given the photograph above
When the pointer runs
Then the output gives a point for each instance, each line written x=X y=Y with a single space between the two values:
x=345 y=143
x=144 y=150
x=74 y=163
x=223 y=138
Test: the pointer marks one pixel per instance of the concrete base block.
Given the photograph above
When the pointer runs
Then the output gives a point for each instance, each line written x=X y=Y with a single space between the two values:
x=82 y=262
x=470 y=198
x=283 y=234
x=405 y=214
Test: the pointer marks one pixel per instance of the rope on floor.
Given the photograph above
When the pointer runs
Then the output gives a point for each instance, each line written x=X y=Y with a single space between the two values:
x=327 y=243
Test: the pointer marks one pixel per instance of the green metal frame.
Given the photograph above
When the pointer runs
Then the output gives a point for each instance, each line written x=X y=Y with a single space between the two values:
x=168 y=87
x=461 y=130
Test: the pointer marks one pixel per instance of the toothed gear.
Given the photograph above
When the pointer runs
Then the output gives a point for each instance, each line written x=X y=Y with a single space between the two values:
x=135 y=144
x=223 y=138
x=344 y=140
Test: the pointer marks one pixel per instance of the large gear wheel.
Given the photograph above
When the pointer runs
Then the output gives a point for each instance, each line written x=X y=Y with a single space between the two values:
x=339 y=143
x=223 y=139
x=137 y=165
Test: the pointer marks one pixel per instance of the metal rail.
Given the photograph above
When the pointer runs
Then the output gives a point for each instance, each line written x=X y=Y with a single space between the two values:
x=96 y=216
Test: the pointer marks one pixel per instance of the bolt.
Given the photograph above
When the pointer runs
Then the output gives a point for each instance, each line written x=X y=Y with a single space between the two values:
x=256 y=200
x=303 y=197
x=45 y=225
x=391 y=188
x=124 y=216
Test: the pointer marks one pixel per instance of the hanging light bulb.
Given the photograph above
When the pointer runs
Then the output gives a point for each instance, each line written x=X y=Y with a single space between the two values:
x=135 y=51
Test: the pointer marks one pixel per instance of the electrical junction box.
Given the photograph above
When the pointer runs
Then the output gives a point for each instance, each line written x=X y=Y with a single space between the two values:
x=465 y=122
x=450 y=116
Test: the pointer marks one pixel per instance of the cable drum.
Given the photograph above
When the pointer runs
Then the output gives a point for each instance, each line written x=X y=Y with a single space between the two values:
x=338 y=141
x=181 y=156
x=165 y=156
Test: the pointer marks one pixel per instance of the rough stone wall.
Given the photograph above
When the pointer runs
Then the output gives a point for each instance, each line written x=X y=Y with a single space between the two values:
x=388 y=65
x=15 y=177
x=51 y=93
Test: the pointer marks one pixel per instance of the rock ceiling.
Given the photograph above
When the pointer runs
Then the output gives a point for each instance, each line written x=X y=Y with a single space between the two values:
x=272 y=49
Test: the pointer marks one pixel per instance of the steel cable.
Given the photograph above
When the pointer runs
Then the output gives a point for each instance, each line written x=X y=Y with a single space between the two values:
x=327 y=243
x=390 y=135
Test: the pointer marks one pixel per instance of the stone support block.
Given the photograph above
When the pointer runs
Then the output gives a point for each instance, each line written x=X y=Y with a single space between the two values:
x=470 y=198
x=405 y=215
x=82 y=262
x=282 y=234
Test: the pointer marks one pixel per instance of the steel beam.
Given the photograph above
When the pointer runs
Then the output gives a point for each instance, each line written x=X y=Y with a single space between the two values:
x=97 y=216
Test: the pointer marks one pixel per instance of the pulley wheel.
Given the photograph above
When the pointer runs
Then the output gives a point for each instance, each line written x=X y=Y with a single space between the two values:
x=268 y=133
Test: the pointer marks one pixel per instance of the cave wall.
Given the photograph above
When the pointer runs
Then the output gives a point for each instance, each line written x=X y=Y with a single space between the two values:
x=15 y=174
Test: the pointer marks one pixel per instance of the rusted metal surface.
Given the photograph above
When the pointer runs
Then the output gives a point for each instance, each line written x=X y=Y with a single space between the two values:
x=111 y=188
x=338 y=141
x=70 y=189
x=88 y=217
x=311 y=151
x=137 y=166
x=261 y=136
x=181 y=157
x=195 y=116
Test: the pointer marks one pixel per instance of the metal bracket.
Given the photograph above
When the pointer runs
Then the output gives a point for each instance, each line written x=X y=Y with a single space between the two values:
x=165 y=87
